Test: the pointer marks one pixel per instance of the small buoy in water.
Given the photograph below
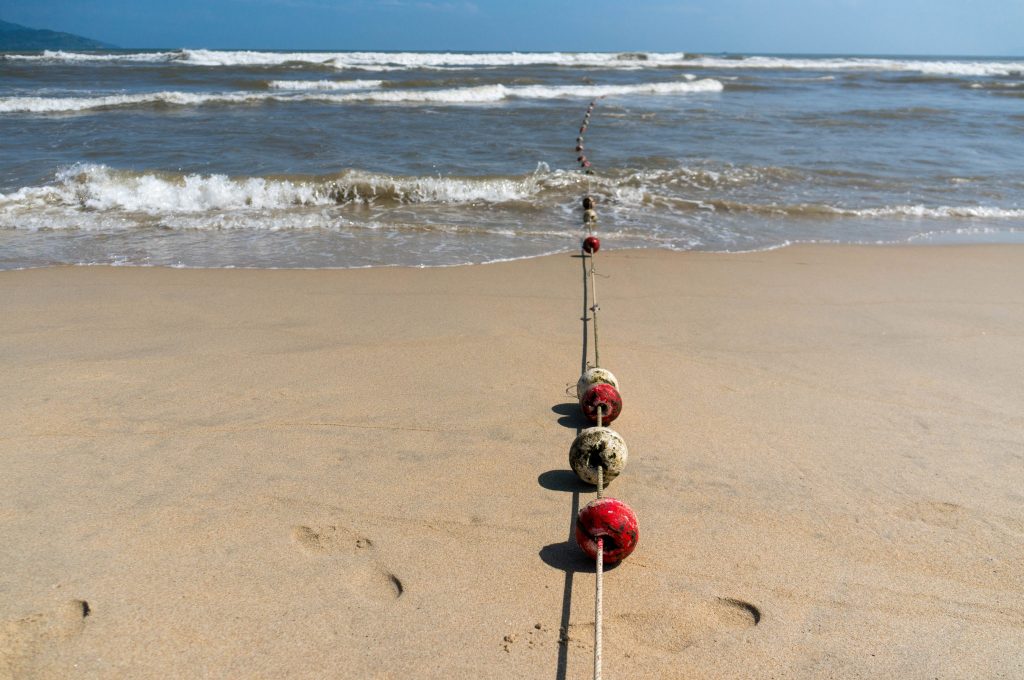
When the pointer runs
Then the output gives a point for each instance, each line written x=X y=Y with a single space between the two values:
x=609 y=519
x=581 y=158
x=588 y=203
x=604 y=397
x=591 y=244
x=594 y=376
x=585 y=164
x=583 y=128
x=590 y=215
x=598 y=447
x=579 y=147
x=579 y=140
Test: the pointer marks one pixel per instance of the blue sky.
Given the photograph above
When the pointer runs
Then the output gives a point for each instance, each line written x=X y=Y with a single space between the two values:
x=958 y=27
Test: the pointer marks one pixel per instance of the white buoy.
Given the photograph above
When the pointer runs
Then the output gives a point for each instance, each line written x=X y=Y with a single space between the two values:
x=594 y=376
x=598 y=447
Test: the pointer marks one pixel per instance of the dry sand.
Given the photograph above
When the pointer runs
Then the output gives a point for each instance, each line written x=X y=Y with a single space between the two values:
x=363 y=474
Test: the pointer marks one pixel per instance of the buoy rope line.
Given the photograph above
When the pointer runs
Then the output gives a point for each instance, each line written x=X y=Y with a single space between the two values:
x=606 y=528
x=594 y=308
x=599 y=579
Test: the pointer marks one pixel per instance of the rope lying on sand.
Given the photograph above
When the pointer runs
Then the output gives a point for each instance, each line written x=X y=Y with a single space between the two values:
x=606 y=528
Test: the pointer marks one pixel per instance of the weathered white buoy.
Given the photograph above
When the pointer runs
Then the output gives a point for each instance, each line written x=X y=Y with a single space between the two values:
x=589 y=215
x=598 y=447
x=594 y=376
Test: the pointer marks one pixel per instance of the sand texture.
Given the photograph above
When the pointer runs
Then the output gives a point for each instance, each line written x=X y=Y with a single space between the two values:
x=364 y=474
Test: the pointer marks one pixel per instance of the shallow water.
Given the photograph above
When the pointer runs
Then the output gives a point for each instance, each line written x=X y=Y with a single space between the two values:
x=269 y=159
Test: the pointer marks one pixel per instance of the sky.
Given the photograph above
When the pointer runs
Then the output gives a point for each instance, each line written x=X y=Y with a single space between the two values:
x=921 y=27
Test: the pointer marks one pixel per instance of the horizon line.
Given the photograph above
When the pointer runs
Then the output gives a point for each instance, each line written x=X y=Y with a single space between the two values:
x=914 y=55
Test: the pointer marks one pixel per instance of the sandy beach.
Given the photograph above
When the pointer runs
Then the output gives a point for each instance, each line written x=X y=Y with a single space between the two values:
x=364 y=474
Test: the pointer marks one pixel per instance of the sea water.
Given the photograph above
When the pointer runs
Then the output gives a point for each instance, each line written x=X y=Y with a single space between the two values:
x=203 y=158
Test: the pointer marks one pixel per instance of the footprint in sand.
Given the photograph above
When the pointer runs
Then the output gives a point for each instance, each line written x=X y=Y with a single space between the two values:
x=365 y=575
x=937 y=513
x=727 y=613
x=21 y=638
x=680 y=626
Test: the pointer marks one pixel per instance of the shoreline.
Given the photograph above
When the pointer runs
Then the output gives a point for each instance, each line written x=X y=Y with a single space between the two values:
x=1017 y=240
x=363 y=472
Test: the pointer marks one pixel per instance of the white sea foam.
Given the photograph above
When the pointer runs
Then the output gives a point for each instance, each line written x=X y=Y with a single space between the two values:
x=87 y=194
x=383 y=61
x=430 y=60
x=481 y=94
x=945 y=211
x=91 y=187
x=389 y=61
x=96 y=187
x=72 y=104
x=361 y=185
x=924 y=66
x=61 y=56
x=324 y=84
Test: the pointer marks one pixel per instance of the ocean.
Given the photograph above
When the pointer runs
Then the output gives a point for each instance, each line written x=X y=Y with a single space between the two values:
x=204 y=158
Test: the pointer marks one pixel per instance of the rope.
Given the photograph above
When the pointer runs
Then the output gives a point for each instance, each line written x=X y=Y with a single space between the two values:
x=588 y=224
x=597 y=608
x=599 y=588
x=589 y=221
x=594 y=309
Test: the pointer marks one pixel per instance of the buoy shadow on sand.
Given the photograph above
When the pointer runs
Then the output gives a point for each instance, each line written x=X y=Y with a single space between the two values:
x=570 y=558
x=563 y=480
x=571 y=416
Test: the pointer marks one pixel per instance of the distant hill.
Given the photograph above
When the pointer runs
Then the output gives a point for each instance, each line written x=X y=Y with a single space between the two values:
x=17 y=38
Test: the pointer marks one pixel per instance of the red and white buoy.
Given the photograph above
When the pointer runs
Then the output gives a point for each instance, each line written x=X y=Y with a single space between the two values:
x=594 y=376
x=611 y=520
x=603 y=400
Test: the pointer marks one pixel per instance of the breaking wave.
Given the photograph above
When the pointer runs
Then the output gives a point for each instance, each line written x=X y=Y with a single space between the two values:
x=60 y=56
x=378 y=61
x=98 y=187
x=324 y=84
x=925 y=66
x=397 y=61
x=87 y=188
x=319 y=91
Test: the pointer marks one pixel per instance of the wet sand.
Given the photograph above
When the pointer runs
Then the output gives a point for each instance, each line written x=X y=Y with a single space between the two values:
x=363 y=474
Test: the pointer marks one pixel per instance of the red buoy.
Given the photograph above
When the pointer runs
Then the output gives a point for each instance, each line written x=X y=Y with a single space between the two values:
x=591 y=244
x=606 y=398
x=612 y=520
